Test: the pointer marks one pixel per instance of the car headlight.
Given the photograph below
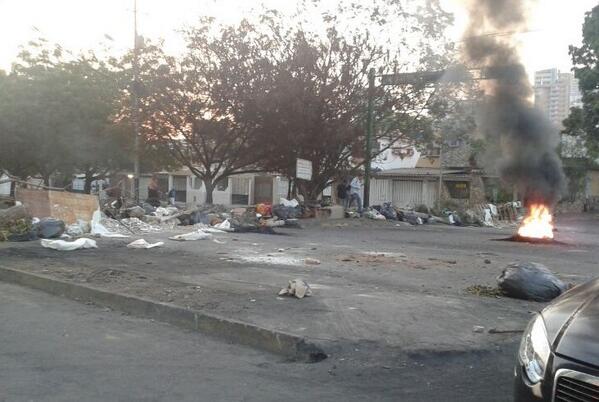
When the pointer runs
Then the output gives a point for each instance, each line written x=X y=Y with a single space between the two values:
x=535 y=350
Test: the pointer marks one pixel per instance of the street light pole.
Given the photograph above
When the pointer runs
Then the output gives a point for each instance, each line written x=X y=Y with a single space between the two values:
x=135 y=107
x=369 y=130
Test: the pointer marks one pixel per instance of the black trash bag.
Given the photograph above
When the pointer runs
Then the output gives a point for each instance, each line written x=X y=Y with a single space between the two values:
x=50 y=228
x=283 y=212
x=412 y=218
x=530 y=281
x=388 y=211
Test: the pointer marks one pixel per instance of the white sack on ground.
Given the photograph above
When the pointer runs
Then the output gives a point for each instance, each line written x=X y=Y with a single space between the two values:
x=142 y=243
x=62 y=245
x=199 y=235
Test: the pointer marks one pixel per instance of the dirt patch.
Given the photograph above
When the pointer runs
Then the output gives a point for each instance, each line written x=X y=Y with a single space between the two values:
x=483 y=290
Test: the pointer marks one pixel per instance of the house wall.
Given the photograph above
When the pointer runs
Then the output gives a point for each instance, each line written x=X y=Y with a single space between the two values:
x=593 y=183
x=388 y=160
x=196 y=192
x=404 y=192
x=4 y=187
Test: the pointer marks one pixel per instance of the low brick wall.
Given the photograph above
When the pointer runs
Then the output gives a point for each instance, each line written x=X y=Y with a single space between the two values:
x=62 y=205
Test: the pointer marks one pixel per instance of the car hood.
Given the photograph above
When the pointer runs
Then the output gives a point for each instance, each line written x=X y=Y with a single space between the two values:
x=572 y=321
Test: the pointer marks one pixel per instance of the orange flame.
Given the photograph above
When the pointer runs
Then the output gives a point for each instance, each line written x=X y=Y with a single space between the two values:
x=538 y=223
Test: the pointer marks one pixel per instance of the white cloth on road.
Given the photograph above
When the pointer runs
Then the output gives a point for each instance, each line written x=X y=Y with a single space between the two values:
x=198 y=235
x=142 y=243
x=62 y=245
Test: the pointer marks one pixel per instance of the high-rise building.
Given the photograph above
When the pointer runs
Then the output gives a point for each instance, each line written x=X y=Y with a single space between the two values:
x=556 y=93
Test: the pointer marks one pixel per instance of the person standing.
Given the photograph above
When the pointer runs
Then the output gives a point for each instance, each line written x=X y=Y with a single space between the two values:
x=171 y=197
x=343 y=193
x=172 y=194
x=153 y=192
x=355 y=193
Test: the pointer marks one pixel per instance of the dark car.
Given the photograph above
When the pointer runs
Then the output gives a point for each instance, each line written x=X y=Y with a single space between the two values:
x=558 y=358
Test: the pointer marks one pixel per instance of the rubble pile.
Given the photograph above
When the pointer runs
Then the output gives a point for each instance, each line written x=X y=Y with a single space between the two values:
x=479 y=215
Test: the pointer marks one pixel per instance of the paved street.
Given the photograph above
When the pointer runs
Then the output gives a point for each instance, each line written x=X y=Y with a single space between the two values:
x=390 y=307
x=58 y=350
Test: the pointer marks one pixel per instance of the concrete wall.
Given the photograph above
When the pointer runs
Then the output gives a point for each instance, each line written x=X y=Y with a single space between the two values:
x=68 y=207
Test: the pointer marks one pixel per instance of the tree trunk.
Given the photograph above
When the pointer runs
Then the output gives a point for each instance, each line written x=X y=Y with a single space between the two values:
x=209 y=185
x=46 y=178
x=89 y=178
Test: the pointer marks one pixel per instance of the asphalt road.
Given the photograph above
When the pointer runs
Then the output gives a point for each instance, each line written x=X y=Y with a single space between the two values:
x=53 y=349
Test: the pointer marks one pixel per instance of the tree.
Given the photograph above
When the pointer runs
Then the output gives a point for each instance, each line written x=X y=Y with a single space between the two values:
x=196 y=107
x=57 y=115
x=584 y=122
x=317 y=105
x=259 y=95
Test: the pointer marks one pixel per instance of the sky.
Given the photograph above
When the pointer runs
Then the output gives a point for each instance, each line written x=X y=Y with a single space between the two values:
x=82 y=24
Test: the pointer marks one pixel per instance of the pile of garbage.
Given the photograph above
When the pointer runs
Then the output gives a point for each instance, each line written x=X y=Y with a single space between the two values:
x=387 y=211
x=480 y=215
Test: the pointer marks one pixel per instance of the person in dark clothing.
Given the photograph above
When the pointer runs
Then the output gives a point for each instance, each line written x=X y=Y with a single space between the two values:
x=153 y=192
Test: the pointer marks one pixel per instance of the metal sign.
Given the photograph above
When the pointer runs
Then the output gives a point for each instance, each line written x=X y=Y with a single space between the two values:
x=303 y=169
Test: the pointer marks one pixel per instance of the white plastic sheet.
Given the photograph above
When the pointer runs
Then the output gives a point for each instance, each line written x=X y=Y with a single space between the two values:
x=143 y=244
x=289 y=203
x=224 y=226
x=192 y=236
x=62 y=245
x=97 y=229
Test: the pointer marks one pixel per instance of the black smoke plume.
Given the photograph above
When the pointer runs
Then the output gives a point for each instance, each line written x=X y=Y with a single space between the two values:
x=523 y=139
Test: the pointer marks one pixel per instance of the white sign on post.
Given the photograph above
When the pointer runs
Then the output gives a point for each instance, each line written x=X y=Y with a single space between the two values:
x=303 y=169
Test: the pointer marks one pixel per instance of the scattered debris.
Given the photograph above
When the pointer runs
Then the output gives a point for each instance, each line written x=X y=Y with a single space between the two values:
x=482 y=290
x=78 y=229
x=298 y=288
x=374 y=214
x=505 y=331
x=374 y=257
x=98 y=228
x=478 y=329
x=143 y=244
x=13 y=214
x=530 y=281
x=16 y=224
x=312 y=261
x=61 y=245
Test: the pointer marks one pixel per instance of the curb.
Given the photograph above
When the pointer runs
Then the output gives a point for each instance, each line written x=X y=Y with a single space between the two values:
x=277 y=342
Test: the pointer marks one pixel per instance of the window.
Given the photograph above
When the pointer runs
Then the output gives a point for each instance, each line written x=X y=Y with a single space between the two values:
x=454 y=143
x=197 y=183
x=432 y=152
x=402 y=152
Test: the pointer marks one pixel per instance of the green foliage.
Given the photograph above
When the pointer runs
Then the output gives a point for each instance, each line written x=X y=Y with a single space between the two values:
x=585 y=121
x=56 y=115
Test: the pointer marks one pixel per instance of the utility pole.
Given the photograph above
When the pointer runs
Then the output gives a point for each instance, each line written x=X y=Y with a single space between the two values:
x=135 y=106
x=440 y=198
x=369 y=130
